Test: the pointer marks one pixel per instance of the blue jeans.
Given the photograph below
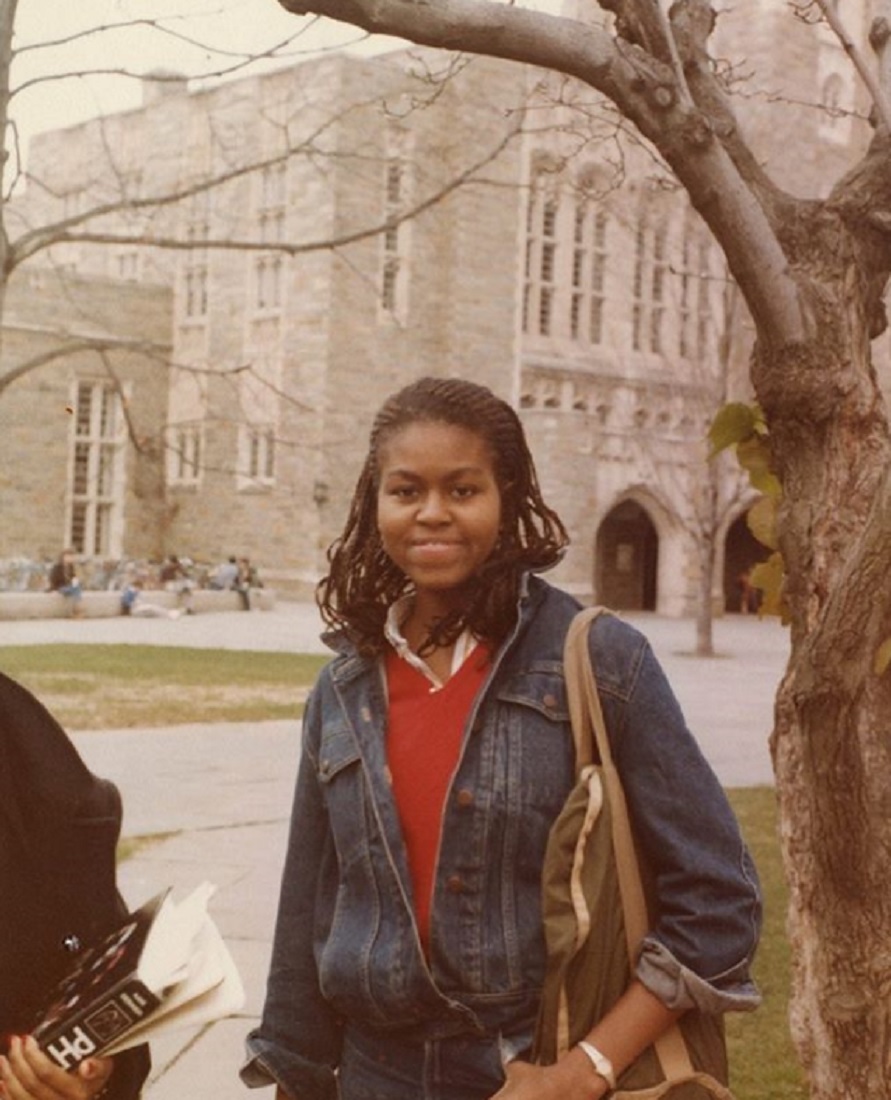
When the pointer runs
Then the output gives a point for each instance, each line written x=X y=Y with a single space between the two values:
x=382 y=1067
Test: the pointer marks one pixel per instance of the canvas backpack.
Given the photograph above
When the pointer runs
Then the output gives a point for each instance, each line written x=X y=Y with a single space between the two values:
x=594 y=887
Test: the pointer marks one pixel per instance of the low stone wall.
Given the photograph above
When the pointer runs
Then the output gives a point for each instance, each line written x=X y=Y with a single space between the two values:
x=105 y=604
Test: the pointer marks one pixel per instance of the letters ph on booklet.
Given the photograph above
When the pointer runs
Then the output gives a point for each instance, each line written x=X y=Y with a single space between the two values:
x=164 y=967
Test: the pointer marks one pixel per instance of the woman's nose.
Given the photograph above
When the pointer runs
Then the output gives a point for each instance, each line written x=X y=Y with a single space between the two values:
x=433 y=509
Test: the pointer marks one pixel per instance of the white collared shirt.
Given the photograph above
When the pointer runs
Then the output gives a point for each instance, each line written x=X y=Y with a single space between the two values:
x=465 y=643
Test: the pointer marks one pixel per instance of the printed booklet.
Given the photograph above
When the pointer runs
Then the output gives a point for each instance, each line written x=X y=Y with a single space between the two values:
x=165 y=967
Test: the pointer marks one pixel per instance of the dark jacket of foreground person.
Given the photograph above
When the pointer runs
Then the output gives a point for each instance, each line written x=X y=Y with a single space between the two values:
x=59 y=827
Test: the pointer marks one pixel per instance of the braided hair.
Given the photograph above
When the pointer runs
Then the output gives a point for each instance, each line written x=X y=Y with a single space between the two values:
x=363 y=582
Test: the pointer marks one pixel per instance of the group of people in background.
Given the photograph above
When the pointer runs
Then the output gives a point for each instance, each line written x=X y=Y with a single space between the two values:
x=178 y=575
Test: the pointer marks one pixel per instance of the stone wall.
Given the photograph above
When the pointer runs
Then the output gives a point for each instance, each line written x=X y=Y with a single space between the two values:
x=120 y=331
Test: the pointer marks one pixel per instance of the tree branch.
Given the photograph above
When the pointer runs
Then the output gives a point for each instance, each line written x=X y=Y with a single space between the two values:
x=240 y=59
x=879 y=97
x=73 y=347
x=158 y=26
x=59 y=234
x=693 y=22
x=644 y=89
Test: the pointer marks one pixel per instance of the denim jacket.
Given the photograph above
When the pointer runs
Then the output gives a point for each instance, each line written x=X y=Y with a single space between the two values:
x=346 y=945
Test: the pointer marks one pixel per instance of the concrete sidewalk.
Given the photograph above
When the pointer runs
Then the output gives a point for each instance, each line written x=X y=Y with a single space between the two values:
x=287 y=627
x=220 y=795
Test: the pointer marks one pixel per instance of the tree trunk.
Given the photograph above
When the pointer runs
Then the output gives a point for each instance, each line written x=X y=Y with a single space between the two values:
x=7 y=19
x=830 y=745
x=705 y=644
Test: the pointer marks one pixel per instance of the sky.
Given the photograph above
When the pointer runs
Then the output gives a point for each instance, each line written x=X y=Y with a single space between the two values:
x=50 y=39
x=46 y=43
x=53 y=38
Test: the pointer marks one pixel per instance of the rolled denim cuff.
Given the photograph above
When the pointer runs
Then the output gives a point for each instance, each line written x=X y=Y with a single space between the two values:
x=678 y=987
x=268 y=1063
x=255 y=1075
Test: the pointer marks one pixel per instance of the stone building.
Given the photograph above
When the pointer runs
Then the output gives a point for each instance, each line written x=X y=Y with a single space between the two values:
x=564 y=271
x=83 y=466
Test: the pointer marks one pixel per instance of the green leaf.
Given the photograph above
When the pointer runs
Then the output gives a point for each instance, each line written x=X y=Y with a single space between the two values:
x=760 y=426
x=754 y=457
x=762 y=521
x=768 y=484
x=767 y=577
x=883 y=657
x=733 y=423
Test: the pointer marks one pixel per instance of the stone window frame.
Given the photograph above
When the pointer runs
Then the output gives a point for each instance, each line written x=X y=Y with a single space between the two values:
x=258 y=455
x=95 y=481
x=268 y=268
x=394 y=262
x=697 y=275
x=651 y=270
x=185 y=453
x=566 y=257
x=194 y=290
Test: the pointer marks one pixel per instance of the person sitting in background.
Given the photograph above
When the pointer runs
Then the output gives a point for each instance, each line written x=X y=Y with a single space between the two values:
x=174 y=577
x=133 y=603
x=63 y=579
x=247 y=579
x=225 y=576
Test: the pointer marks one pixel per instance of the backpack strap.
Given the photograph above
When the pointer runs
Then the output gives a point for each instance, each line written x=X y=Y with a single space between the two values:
x=589 y=729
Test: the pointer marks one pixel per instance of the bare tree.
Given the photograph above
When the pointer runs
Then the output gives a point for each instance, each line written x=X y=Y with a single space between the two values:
x=723 y=493
x=813 y=273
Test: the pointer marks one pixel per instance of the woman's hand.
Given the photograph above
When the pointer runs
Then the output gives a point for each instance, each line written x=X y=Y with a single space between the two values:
x=572 y=1078
x=634 y=1022
x=26 y=1073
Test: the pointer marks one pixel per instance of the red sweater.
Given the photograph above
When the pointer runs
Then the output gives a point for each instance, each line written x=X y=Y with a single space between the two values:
x=424 y=732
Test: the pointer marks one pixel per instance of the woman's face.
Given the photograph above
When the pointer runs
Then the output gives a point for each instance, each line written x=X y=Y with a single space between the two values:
x=438 y=505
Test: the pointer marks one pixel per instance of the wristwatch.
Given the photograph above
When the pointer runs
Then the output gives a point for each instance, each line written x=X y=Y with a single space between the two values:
x=602 y=1065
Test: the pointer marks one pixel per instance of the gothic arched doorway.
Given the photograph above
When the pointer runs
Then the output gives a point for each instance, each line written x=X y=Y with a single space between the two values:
x=741 y=551
x=627 y=559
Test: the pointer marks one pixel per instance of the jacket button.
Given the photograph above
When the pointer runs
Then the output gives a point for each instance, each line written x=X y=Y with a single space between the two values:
x=550 y=700
x=455 y=884
x=464 y=798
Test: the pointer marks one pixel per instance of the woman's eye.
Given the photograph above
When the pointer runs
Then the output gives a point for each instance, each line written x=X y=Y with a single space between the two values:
x=403 y=492
x=462 y=492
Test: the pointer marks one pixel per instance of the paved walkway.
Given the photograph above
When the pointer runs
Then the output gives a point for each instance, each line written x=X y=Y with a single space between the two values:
x=220 y=794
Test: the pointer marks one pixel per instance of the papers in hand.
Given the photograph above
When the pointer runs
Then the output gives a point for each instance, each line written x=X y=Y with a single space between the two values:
x=163 y=968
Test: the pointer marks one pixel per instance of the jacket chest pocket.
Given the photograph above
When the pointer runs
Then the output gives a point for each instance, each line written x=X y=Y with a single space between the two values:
x=533 y=755
x=342 y=781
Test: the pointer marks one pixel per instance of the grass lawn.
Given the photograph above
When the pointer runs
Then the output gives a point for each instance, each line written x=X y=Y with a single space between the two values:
x=110 y=687
x=116 y=686
x=762 y=1060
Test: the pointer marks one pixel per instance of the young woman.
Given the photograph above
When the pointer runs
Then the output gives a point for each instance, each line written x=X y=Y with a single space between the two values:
x=409 y=954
